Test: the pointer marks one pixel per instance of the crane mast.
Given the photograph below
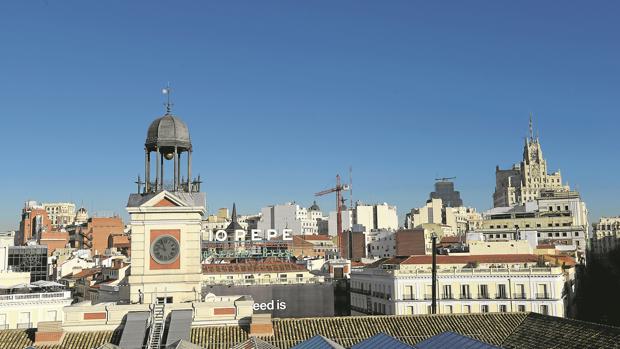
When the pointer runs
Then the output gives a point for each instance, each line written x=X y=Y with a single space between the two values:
x=339 y=200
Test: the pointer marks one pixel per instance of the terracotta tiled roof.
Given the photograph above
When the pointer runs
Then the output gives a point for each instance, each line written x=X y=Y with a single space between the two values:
x=566 y=260
x=120 y=240
x=86 y=273
x=540 y=331
x=317 y=237
x=507 y=330
x=545 y=246
x=450 y=240
x=491 y=328
x=20 y=339
x=250 y=268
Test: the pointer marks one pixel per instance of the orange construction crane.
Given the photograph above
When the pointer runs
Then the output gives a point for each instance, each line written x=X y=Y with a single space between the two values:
x=339 y=201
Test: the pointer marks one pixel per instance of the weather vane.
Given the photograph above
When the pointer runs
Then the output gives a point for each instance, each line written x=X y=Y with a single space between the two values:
x=168 y=91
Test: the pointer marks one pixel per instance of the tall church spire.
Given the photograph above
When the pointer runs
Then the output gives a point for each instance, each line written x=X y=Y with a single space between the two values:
x=234 y=213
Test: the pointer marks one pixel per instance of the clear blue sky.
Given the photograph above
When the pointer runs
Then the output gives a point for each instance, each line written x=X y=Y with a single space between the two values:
x=281 y=96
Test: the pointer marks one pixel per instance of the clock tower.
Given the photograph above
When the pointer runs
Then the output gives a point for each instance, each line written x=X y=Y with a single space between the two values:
x=166 y=219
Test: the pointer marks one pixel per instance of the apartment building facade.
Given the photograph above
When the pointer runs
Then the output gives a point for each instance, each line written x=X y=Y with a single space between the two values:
x=465 y=284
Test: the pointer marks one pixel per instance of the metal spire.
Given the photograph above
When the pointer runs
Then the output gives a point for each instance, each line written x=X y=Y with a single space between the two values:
x=168 y=91
x=531 y=128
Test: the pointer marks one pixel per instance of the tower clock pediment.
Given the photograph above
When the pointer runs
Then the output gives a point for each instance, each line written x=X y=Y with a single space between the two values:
x=164 y=199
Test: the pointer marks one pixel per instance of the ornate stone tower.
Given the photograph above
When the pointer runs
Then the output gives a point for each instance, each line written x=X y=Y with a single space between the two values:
x=166 y=220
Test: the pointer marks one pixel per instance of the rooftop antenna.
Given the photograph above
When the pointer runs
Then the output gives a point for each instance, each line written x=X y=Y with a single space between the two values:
x=168 y=91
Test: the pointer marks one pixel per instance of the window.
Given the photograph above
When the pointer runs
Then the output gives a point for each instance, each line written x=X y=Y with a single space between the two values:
x=544 y=309
x=409 y=310
x=542 y=291
x=448 y=309
x=519 y=291
x=521 y=308
x=483 y=292
x=484 y=308
x=408 y=293
x=501 y=292
x=467 y=309
x=564 y=234
x=465 y=292
x=502 y=308
x=447 y=292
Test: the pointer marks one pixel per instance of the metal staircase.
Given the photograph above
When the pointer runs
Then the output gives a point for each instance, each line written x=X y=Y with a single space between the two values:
x=158 y=322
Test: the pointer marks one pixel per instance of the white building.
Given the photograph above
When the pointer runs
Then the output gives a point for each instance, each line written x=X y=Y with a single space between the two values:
x=302 y=221
x=460 y=220
x=558 y=218
x=605 y=235
x=372 y=217
x=23 y=305
x=525 y=181
x=465 y=284
x=60 y=213
x=380 y=243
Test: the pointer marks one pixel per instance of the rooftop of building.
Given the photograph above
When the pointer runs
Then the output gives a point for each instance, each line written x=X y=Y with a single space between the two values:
x=233 y=268
x=316 y=237
x=451 y=259
x=505 y=330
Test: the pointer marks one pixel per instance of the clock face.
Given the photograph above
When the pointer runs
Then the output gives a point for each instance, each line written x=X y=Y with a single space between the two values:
x=165 y=249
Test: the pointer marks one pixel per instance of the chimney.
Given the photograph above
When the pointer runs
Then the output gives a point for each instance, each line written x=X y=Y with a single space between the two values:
x=261 y=325
x=48 y=333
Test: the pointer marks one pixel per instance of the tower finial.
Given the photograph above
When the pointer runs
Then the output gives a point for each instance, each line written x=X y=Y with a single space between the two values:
x=531 y=128
x=234 y=213
x=168 y=91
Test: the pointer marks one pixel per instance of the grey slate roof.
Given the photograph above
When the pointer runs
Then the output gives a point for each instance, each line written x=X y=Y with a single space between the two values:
x=318 y=342
x=382 y=341
x=254 y=343
x=183 y=344
x=168 y=131
x=190 y=199
x=453 y=340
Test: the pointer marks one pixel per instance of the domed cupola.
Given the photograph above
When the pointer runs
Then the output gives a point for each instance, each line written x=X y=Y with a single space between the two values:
x=168 y=137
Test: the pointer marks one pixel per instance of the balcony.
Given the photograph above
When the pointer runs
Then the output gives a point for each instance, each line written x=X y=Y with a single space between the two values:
x=543 y=296
x=519 y=296
x=408 y=297
x=428 y=297
x=466 y=296
x=24 y=325
x=447 y=296
x=4 y=326
x=360 y=291
x=265 y=281
x=365 y=311
x=502 y=296
x=484 y=296
x=35 y=296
